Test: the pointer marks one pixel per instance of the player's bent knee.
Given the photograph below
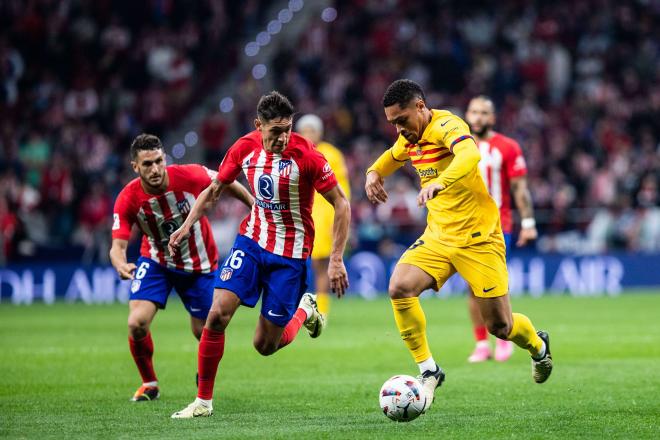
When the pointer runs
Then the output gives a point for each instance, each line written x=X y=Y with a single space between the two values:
x=216 y=320
x=264 y=348
x=401 y=289
x=138 y=327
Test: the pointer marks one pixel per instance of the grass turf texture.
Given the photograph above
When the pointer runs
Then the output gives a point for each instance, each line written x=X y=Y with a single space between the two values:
x=67 y=373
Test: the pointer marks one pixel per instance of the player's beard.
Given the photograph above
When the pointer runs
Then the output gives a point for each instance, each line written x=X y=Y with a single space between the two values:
x=482 y=132
x=156 y=181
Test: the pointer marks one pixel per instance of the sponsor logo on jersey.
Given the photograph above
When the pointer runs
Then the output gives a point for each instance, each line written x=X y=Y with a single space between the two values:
x=265 y=187
x=285 y=168
x=328 y=171
x=169 y=227
x=135 y=285
x=427 y=172
x=183 y=206
x=226 y=273
x=271 y=206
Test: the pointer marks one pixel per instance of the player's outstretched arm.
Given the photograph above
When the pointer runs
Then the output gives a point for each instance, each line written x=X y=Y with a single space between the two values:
x=523 y=200
x=241 y=193
x=336 y=269
x=385 y=165
x=124 y=269
x=206 y=198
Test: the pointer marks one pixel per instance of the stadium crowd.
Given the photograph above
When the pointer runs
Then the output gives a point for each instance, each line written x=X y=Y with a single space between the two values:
x=577 y=83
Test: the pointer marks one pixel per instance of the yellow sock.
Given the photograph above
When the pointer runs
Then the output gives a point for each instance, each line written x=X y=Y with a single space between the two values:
x=523 y=334
x=411 y=322
x=323 y=303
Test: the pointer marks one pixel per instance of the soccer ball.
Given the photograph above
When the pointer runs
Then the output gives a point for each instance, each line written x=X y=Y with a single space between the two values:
x=402 y=398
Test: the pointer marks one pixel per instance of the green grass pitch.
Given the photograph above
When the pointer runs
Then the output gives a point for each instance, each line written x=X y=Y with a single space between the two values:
x=66 y=372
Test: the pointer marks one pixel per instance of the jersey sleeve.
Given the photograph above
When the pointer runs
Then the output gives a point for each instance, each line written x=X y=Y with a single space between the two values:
x=392 y=159
x=123 y=217
x=201 y=176
x=230 y=167
x=320 y=172
x=516 y=165
x=455 y=135
x=453 y=131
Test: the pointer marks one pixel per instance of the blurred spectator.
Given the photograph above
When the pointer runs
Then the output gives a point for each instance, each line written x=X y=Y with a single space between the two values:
x=79 y=79
x=577 y=83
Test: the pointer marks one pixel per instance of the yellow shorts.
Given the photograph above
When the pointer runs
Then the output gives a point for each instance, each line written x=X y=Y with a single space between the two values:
x=322 y=240
x=482 y=265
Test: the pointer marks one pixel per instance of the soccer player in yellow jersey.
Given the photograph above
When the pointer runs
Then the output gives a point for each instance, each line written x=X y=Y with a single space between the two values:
x=463 y=233
x=311 y=127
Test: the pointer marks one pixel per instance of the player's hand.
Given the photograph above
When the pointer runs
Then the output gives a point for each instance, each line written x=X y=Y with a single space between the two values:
x=176 y=238
x=428 y=192
x=126 y=271
x=338 y=276
x=374 y=188
x=526 y=235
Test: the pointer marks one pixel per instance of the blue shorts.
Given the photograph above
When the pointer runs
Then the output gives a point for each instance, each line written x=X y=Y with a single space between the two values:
x=154 y=283
x=251 y=270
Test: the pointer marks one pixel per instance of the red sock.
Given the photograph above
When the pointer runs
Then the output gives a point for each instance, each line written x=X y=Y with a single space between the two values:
x=143 y=351
x=292 y=328
x=211 y=348
x=480 y=333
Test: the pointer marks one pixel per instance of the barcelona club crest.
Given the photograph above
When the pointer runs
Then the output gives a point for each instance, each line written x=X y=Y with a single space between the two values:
x=285 y=168
x=226 y=273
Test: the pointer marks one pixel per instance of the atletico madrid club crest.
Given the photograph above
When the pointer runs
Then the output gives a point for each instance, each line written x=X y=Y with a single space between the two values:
x=285 y=168
x=226 y=273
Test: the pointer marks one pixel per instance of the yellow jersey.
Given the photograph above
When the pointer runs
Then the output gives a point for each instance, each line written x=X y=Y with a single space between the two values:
x=463 y=213
x=323 y=213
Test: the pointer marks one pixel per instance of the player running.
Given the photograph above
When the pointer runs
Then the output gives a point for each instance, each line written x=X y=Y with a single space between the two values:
x=463 y=233
x=158 y=201
x=311 y=127
x=268 y=258
x=504 y=171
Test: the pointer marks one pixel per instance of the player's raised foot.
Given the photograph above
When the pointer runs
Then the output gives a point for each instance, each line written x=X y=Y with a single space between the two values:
x=145 y=394
x=541 y=368
x=503 y=350
x=195 y=409
x=481 y=353
x=315 y=323
x=431 y=380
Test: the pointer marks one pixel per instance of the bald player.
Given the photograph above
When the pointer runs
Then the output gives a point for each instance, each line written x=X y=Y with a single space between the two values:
x=311 y=127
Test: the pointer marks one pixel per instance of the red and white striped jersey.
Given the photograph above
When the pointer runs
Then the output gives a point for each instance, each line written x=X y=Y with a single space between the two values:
x=501 y=161
x=158 y=216
x=283 y=186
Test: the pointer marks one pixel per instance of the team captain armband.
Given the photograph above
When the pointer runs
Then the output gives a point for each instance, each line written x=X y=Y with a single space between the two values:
x=459 y=139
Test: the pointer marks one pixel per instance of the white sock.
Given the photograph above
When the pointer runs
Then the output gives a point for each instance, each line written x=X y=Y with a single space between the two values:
x=427 y=365
x=151 y=384
x=541 y=354
x=483 y=344
x=204 y=402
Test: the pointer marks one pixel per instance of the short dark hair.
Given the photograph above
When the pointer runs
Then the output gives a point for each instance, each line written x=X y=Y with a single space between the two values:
x=145 y=142
x=274 y=105
x=401 y=92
